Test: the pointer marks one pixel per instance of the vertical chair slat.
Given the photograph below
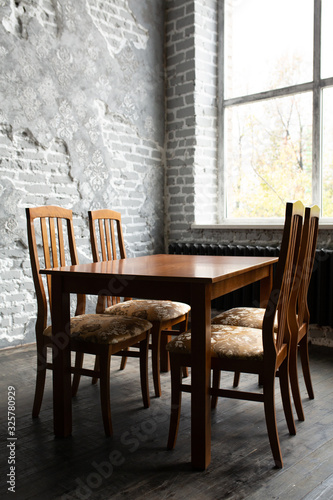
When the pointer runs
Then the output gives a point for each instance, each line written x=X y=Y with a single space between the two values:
x=106 y=250
x=45 y=243
x=108 y=242
x=108 y=239
x=53 y=243
x=94 y=243
x=102 y=239
x=111 y=252
x=121 y=240
x=113 y=241
x=46 y=250
x=81 y=299
x=61 y=243
x=72 y=246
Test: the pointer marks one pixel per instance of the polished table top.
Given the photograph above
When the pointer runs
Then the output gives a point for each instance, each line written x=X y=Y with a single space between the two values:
x=197 y=268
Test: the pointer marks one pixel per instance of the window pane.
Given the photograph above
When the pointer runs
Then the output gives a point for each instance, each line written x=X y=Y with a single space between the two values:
x=268 y=45
x=327 y=155
x=326 y=39
x=268 y=152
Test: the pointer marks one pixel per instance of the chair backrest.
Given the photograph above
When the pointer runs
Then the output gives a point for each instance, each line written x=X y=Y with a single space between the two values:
x=305 y=265
x=56 y=248
x=286 y=269
x=107 y=243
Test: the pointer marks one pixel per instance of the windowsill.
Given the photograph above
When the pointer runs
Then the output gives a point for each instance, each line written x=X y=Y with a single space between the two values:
x=275 y=225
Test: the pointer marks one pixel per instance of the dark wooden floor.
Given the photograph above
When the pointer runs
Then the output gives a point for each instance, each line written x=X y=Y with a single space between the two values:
x=135 y=464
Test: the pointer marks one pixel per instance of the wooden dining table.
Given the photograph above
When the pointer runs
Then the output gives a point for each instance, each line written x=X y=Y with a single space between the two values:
x=194 y=279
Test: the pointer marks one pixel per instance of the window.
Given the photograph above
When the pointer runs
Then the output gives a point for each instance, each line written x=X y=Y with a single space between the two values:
x=276 y=88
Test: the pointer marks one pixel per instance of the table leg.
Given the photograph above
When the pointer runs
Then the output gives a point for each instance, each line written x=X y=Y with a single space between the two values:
x=62 y=398
x=200 y=375
x=266 y=287
x=164 y=355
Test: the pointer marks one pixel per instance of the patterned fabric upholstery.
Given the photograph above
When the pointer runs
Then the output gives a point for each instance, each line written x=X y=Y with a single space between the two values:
x=251 y=317
x=226 y=342
x=151 y=310
x=105 y=329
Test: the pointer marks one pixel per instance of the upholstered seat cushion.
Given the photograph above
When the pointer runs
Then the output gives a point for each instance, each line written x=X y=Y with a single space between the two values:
x=105 y=329
x=251 y=317
x=151 y=310
x=227 y=341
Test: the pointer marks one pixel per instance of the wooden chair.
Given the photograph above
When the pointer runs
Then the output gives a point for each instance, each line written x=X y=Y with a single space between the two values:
x=300 y=315
x=250 y=350
x=96 y=334
x=107 y=243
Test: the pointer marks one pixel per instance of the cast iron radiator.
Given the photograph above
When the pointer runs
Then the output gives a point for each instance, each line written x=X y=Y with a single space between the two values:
x=320 y=297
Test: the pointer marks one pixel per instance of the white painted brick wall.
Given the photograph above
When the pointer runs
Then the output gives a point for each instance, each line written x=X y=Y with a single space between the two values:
x=180 y=125
x=206 y=112
x=81 y=97
x=29 y=177
x=191 y=179
x=32 y=176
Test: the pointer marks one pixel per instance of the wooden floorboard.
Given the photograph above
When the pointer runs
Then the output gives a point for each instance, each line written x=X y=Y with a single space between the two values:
x=134 y=463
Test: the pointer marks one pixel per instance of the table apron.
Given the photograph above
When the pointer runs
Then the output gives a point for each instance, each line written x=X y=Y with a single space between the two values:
x=123 y=287
x=234 y=283
x=158 y=289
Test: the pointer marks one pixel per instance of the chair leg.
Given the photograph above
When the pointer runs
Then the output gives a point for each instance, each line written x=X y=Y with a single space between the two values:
x=164 y=355
x=216 y=385
x=285 y=394
x=183 y=328
x=270 y=416
x=123 y=360
x=156 y=348
x=77 y=376
x=144 y=348
x=293 y=375
x=236 y=379
x=176 y=397
x=94 y=380
x=105 y=361
x=304 y=353
x=40 y=379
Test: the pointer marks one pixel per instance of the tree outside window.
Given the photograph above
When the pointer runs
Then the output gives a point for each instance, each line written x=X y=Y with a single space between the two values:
x=277 y=92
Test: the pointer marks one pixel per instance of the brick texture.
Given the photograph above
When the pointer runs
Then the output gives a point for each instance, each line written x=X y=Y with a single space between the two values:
x=82 y=127
x=191 y=147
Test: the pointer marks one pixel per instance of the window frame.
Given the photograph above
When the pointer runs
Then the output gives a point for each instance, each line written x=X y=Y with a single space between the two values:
x=316 y=86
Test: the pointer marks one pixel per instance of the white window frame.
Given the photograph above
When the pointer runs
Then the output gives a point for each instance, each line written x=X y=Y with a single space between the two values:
x=316 y=86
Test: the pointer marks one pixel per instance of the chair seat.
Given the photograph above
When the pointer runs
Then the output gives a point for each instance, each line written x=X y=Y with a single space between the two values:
x=105 y=329
x=251 y=317
x=227 y=341
x=151 y=310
